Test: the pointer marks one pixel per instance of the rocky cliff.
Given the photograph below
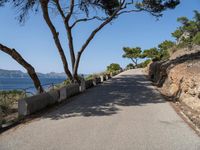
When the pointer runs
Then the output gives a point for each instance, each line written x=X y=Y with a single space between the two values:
x=179 y=78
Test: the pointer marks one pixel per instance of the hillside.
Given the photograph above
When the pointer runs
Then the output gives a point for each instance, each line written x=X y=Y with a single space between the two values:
x=20 y=74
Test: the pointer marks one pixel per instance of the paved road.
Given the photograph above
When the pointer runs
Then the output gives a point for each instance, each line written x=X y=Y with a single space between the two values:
x=125 y=113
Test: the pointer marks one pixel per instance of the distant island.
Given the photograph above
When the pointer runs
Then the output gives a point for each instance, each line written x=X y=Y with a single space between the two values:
x=20 y=74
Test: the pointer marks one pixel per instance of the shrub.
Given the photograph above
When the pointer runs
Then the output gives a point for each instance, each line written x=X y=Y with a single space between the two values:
x=145 y=63
x=130 y=66
x=196 y=39
x=8 y=99
x=113 y=67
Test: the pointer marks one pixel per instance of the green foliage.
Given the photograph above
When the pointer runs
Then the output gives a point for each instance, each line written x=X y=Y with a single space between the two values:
x=166 y=45
x=92 y=76
x=196 y=39
x=113 y=67
x=132 y=53
x=144 y=64
x=8 y=99
x=154 y=7
x=177 y=34
x=151 y=53
x=130 y=66
x=189 y=27
x=157 y=6
x=164 y=48
x=108 y=6
x=183 y=20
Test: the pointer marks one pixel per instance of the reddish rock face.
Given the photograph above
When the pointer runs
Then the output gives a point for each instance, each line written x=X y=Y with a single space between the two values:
x=179 y=77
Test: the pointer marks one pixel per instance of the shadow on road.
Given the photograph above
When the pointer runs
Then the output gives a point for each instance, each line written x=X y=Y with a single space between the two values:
x=104 y=100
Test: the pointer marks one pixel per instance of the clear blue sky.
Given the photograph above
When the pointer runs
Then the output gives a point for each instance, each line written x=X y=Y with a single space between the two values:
x=34 y=41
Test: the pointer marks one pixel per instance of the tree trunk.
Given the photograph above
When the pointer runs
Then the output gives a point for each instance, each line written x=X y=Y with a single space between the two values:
x=44 y=6
x=30 y=70
x=135 y=62
x=90 y=38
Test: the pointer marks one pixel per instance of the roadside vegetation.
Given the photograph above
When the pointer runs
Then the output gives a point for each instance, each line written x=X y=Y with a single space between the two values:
x=187 y=35
x=8 y=99
x=113 y=69
x=9 y=104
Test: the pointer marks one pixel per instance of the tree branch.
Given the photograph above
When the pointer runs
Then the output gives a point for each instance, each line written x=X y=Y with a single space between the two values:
x=87 y=19
x=71 y=9
x=30 y=70
x=129 y=11
x=94 y=32
x=59 y=8
x=68 y=30
x=133 y=61
x=44 y=7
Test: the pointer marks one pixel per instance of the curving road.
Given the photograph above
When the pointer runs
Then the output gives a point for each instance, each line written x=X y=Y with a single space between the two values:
x=125 y=113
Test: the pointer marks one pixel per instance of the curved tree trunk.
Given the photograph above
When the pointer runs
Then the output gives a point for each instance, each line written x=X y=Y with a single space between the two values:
x=135 y=62
x=30 y=70
x=44 y=7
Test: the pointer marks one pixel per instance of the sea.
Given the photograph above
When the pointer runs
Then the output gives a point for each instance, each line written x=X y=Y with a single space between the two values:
x=7 y=84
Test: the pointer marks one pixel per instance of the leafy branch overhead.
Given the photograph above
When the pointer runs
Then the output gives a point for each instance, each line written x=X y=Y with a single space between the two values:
x=189 y=30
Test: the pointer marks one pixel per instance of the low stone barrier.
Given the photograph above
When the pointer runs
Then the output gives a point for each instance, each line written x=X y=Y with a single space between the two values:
x=72 y=90
x=35 y=103
x=1 y=117
x=108 y=76
x=102 y=78
x=89 y=84
x=82 y=86
x=68 y=91
x=96 y=81
x=63 y=94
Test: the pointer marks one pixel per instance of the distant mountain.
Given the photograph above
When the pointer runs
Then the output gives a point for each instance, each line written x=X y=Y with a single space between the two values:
x=20 y=74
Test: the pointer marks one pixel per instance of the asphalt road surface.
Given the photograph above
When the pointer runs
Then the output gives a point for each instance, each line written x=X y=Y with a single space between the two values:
x=124 y=113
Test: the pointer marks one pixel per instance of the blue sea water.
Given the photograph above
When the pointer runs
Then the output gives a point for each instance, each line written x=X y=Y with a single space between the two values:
x=26 y=83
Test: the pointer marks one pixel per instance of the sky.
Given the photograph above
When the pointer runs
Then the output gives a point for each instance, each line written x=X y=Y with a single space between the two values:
x=34 y=41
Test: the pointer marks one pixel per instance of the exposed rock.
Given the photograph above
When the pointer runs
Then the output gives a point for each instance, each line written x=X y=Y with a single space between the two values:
x=179 y=77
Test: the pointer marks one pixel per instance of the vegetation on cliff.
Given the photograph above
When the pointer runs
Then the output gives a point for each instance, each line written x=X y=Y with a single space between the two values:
x=187 y=35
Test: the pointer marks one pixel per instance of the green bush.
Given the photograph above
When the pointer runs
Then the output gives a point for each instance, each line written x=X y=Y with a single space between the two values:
x=130 y=66
x=9 y=98
x=113 y=67
x=196 y=39
x=91 y=77
x=144 y=64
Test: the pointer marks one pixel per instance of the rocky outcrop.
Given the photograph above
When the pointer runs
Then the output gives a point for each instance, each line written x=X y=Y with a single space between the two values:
x=179 y=77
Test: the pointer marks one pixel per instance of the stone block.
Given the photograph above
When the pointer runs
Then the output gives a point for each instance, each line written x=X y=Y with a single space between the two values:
x=97 y=81
x=36 y=103
x=102 y=78
x=63 y=94
x=89 y=84
x=82 y=86
x=72 y=90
